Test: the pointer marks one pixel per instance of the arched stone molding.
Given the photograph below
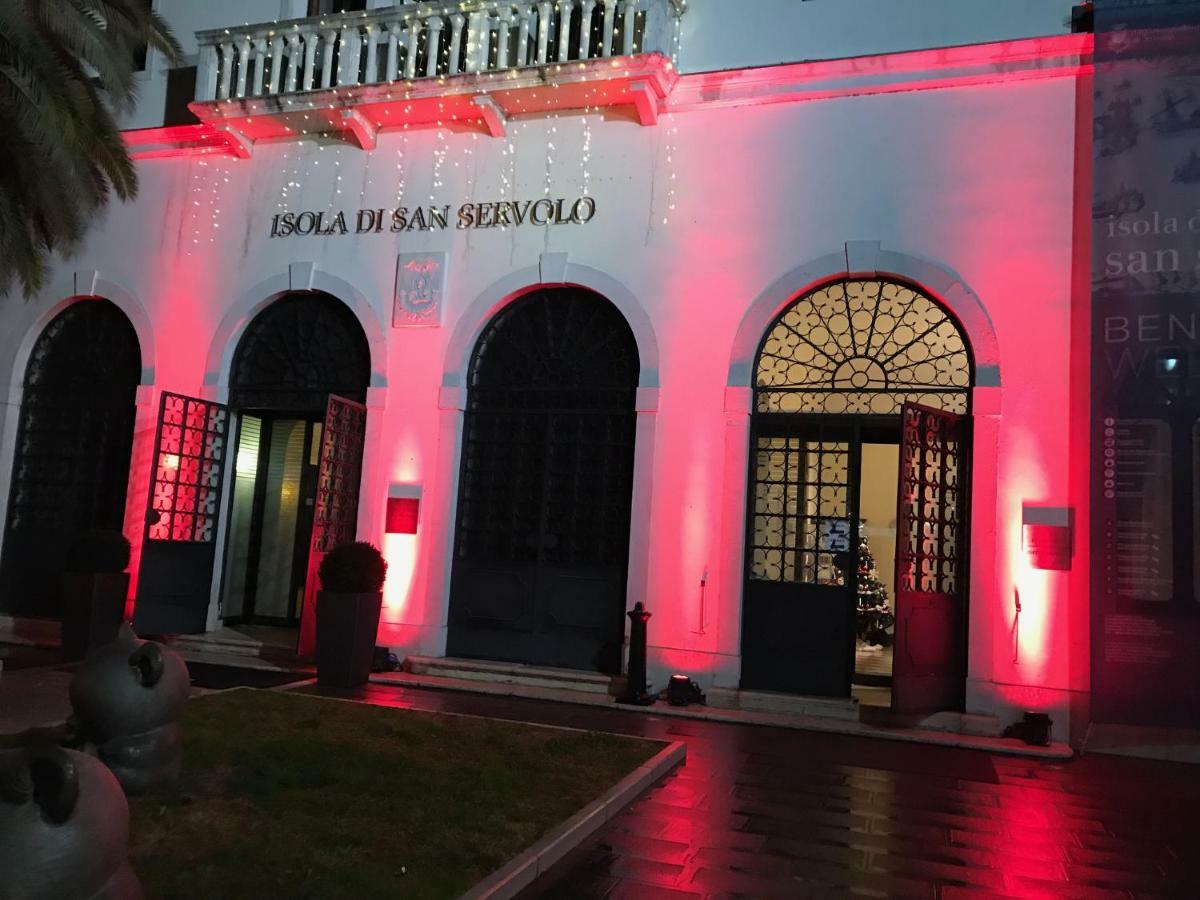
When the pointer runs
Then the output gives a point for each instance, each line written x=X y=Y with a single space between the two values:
x=80 y=286
x=298 y=277
x=868 y=259
x=553 y=270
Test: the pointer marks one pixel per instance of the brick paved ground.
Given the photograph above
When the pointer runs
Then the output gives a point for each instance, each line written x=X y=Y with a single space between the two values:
x=762 y=812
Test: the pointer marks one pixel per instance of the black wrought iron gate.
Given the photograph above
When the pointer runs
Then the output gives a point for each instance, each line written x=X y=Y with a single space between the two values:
x=74 y=441
x=542 y=544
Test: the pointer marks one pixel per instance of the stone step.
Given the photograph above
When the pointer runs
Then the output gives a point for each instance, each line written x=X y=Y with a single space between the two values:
x=230 y=646
x=949 y=722
x=515 y=673
x=963 y=723
x=790 y=704
x=29 y=632
x=196 y=644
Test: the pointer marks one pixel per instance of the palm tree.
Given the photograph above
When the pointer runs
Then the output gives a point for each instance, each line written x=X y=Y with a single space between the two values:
x=66 y=72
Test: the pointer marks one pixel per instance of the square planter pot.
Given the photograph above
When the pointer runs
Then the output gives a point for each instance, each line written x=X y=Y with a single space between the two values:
x=346 y=628
x=92 y=612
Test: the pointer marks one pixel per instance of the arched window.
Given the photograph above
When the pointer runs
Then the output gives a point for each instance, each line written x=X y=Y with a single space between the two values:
x=866 y=347
x=298 y=351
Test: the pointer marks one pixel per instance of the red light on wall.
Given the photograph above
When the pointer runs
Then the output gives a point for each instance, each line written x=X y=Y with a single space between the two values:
x=402 y=515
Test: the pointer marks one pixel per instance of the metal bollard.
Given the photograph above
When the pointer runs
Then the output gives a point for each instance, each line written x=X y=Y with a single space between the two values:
x=636 y=689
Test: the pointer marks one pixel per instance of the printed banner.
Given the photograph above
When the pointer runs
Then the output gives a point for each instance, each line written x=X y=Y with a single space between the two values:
x=1146 y=364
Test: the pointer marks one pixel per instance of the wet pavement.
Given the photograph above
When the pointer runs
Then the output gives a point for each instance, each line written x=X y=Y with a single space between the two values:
x=763 y=812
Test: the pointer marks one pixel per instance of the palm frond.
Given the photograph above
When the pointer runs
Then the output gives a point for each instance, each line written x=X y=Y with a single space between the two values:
x=65 y=66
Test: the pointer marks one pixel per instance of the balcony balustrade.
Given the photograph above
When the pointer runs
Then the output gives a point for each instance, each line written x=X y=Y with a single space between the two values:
x=426 y=40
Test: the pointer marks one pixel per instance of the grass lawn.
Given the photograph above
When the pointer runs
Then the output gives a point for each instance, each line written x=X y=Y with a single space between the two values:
x=286 y=795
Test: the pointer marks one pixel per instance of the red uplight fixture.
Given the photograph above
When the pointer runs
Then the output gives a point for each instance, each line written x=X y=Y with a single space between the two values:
x=402 y=515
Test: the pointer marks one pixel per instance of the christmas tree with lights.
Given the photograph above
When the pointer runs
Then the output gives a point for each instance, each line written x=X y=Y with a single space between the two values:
x=874 y=620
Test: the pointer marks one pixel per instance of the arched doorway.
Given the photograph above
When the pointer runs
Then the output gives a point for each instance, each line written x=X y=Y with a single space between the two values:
x=856 y=521
x=74 y=439
x=298 y=381
x=545 y=486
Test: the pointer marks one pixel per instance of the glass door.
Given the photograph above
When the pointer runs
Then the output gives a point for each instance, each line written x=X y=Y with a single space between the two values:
x=271 y=520
x=802 y=557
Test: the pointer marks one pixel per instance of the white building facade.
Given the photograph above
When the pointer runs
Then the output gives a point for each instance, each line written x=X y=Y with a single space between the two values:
x=627 y=322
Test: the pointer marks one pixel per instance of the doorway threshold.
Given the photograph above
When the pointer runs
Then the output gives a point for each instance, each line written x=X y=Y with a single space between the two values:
x=789 y=704
x=564 y=692
x=248 y=646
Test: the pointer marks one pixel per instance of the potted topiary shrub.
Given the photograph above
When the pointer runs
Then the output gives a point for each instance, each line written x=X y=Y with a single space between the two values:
x=348 y=613
x=95 y=585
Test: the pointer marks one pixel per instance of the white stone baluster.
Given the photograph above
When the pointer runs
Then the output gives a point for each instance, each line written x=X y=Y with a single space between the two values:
x=457 y=20
x=477 y=42
x=295 y=58
x=226 y=71
x=412 y=35
x=566 y=9
x=585 y=28
x=260 y=64
x=372 y=55
x=391 y=67
x=543 y=36
x=278 y=42
x=610 y=21
x=349 y=55
x=312 y=43
x=206 y=73
x=503 y=36
x=329 y=44
x=433 y=44
x=526 y=20
x=629 y=27
x=243 y=65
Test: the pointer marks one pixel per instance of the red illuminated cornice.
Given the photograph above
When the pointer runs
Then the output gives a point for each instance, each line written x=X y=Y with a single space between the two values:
x=921 y=70
x=645 y=86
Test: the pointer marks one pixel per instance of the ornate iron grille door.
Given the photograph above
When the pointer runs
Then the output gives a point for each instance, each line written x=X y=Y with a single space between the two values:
x=546 y=486
x=931 y=549
x=335 y=518
x=181 y=522
x=836 y=367
x=74 y=441
x=798 y=607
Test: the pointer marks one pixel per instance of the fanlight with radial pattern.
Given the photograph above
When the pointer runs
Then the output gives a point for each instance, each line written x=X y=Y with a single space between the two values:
x=866 y=347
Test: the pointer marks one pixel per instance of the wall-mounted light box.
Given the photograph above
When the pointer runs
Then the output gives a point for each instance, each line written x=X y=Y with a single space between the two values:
x=1047 y=536
x=403 y=509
